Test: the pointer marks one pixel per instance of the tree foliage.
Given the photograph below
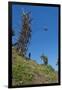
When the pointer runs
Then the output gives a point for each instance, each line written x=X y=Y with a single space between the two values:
x=25 y=34
x=13 y=33
x=45 y=59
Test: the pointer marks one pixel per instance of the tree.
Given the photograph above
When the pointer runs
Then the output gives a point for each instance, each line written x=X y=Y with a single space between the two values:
x=13 y=33
x=45 y=59
x=25 y=34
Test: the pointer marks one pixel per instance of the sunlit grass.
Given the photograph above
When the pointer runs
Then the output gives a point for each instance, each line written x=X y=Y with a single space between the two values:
x=28 y=71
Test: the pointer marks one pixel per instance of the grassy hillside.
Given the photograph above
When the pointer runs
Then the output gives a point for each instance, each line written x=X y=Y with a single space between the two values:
x=27 y=72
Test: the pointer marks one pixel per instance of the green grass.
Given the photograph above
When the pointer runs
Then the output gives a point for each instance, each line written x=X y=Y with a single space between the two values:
x=26 y=72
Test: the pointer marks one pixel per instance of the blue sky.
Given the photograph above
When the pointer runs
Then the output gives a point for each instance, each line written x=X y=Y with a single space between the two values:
x=42 y=41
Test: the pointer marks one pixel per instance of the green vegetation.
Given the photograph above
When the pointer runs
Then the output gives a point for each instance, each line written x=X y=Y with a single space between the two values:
x=45 y=59
x=27 y=72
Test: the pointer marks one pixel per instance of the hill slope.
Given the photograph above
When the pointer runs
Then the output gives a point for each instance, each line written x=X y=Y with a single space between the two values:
x=27 y=72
